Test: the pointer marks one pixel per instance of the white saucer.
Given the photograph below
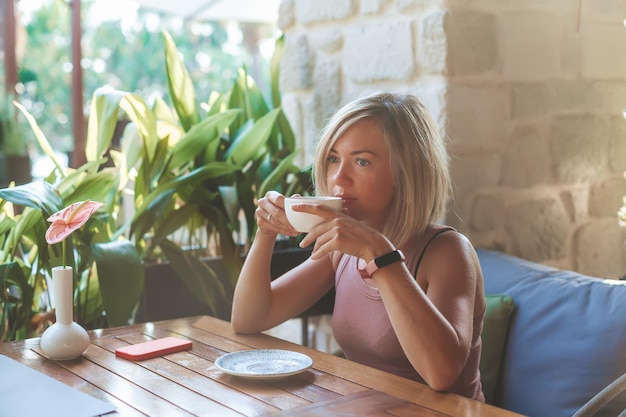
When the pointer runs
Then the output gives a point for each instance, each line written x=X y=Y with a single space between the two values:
x=263 y=363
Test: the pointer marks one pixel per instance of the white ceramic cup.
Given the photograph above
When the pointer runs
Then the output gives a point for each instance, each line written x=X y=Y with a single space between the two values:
x=304 y=222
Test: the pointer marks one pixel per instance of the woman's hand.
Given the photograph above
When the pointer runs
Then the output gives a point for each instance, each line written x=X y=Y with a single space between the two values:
x=270 y=215
x=344 y=234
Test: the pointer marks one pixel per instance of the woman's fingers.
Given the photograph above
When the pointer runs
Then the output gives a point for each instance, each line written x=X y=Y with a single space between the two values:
x=271 y=216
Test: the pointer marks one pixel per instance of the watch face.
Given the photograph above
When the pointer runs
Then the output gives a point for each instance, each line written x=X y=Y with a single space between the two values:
x=361 y=264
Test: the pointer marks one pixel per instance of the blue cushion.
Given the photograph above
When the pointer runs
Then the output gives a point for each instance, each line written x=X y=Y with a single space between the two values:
x=567 y=339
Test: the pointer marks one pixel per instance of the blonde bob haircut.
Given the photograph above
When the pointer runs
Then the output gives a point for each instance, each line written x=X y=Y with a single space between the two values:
x=418 y=156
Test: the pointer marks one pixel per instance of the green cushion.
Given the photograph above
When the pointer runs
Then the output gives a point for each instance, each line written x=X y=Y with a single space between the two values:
x=495 y=329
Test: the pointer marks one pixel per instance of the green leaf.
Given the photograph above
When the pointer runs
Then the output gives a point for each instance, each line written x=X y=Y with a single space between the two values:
x=163 y=112
x=38 y=194
x=101 y=187
x=12 y=274
x=277 y=176
x=140 y=114
x=161 y=161
x=279 y=50
x=200 y=136
x=70 y=181
x=247 y=146
x=41 y=138
x=6 y=224
x=121 y=277
x=89 y=309
x=302 y=184
x=174 y=221
x=289 y=138
x=102 y=121
x=180 y=85
x=131 y=146
x=255 y=101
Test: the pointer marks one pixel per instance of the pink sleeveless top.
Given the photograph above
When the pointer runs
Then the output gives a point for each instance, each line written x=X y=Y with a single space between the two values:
x=363 y=330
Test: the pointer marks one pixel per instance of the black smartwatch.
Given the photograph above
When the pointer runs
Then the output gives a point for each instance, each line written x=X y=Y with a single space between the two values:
x=366 y=270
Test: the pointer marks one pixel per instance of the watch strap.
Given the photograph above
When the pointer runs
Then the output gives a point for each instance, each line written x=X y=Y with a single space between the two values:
x=381 y=262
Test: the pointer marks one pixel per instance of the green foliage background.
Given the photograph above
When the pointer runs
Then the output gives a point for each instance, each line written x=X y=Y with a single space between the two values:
x=127 y=58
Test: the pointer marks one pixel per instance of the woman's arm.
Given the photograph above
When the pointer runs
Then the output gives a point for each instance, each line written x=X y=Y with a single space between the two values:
x=260 y=303
x=433 y=316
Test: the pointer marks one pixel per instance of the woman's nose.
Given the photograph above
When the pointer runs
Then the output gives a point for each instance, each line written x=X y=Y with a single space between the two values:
x=341 y=175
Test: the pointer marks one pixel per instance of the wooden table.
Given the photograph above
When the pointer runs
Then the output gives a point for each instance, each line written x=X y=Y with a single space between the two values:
x=188 y=383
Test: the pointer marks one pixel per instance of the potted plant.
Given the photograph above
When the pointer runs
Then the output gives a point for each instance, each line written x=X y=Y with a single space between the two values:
x=199 y=167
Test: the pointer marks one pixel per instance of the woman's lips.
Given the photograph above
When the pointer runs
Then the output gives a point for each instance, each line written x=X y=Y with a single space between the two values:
x=346 y=200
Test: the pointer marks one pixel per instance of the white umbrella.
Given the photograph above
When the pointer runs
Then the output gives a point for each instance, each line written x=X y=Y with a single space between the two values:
x=262 y=11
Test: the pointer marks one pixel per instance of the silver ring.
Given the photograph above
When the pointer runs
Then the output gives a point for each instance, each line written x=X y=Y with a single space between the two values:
x=269 y=217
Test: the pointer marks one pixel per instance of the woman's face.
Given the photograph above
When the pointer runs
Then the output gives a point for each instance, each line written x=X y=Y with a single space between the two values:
x=359 y=172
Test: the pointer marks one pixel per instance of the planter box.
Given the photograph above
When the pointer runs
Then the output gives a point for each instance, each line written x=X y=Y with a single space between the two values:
x=166 y=297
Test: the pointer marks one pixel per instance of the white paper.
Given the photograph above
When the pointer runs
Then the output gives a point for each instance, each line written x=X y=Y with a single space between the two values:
x=25 y=392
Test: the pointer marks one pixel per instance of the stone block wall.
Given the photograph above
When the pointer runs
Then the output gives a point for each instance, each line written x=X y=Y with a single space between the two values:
x=530 y=95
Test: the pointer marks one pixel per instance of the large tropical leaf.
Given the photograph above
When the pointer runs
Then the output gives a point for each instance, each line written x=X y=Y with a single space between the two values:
x=255 y=103
x=180 y=86
x=141 y=115
x=121 y=277
x=163 y=112
x=174 y=221
x=286 y=133
x=37 y=194
x=278 y=175
x=102 y=122
x=25 y=227
x=6 y=224
x=247 y=146
x=131 y=146
x=200 y=136
x=89 y=309
x=101 y=187
x=41 y=138
x=67 y=184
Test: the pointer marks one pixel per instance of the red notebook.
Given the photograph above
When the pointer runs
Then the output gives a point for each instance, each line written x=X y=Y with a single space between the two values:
x=153 y=348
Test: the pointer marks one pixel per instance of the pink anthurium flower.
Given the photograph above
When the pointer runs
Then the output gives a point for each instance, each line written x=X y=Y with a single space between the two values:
x=68 y=220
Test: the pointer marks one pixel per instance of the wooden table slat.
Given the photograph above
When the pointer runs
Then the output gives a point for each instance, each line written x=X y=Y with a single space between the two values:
x=368 y=402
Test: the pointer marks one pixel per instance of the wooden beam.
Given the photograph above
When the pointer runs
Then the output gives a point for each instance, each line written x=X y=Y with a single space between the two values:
x=10 y=62
x=77 y=157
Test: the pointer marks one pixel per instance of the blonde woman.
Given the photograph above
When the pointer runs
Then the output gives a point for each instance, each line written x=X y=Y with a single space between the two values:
x=409 y=292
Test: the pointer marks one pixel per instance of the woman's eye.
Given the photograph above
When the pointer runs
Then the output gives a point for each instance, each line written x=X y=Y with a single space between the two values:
x=332 y=159
x=362 y=162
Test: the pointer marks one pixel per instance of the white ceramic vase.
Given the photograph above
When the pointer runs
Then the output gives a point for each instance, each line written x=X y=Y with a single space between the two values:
x=65 y=339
